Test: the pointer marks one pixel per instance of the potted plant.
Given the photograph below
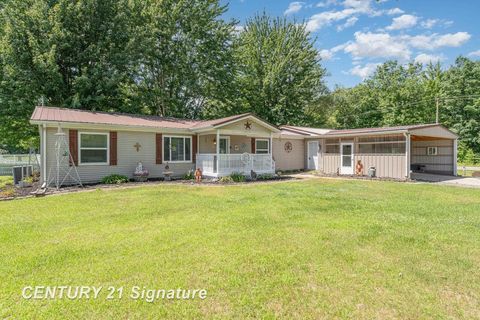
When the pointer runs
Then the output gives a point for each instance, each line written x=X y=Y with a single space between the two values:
x=140 y=174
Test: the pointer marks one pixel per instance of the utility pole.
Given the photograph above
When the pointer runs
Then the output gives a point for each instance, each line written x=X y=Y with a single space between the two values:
x=437 y=103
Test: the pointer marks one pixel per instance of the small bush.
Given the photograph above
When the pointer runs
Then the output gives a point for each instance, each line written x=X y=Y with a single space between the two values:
x=237 y=177
x=28 y=179
x=189 y=175
x=114 y=179
x=8 y=193
x=226 y=179
x=266 y=176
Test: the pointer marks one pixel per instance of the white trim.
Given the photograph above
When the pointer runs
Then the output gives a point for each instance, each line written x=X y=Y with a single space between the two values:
x=455 y=145
x=111 y=127
x=342 y=168
x=268 y=146
x=89 y=148
x=407 y=155
x=434 y=151
x=170 y=149
x=44 y=153
x=248 y=116
x=227 y=145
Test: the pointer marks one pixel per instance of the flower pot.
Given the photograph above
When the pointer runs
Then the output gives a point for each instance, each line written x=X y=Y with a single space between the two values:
x=140 y=178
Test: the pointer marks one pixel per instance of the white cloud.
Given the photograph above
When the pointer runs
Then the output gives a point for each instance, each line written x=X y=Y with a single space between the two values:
x=384 y=45
x=328 y=54
x=350 y=22
x=403 y=22
x=377 y=45
x=427 y=58
x=350 y=8
x=325 y=54
x=435 y=41
x=394 y=11
x=294 y=7
x=429 y=23
x=365 y=71
x=474 y=53
x=239 y=28
x=326 y=3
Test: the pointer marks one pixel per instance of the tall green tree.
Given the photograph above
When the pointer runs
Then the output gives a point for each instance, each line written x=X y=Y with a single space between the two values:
x=184 y=56
x=64 y=53
x=279 y=76
x=460 y=106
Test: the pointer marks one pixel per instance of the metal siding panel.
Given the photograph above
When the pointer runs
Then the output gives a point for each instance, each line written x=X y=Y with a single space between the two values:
x=294 y=160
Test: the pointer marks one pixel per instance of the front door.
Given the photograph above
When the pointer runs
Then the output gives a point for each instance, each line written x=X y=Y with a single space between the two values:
x=224 y=145
x=346 y=157
x=312 y=155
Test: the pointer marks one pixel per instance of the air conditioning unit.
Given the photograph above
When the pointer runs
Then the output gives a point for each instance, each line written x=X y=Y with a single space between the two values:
x=21 y=172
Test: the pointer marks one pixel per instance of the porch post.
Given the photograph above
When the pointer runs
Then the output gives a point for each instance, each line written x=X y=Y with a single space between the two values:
x=407 y=155
x=218 y=150
x=455 y=145
x=270 y=147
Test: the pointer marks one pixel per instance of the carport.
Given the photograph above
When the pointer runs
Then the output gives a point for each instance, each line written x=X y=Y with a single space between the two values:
x=431 y=149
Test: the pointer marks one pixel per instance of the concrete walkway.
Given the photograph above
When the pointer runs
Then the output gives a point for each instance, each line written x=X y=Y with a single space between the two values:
x=468 y=182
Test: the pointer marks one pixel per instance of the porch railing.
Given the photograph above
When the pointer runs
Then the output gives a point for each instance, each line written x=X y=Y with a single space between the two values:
x=226 y=164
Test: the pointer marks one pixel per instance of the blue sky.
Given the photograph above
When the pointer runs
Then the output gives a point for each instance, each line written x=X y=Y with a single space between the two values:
x=354 y=36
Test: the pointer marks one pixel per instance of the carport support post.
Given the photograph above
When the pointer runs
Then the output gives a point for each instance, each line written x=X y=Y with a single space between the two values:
x=218 y=150
x=407 y=155
x=455 y=145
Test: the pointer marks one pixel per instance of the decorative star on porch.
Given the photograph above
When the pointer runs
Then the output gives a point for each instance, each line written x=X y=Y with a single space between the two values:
x=248 y=125
x=137 y=146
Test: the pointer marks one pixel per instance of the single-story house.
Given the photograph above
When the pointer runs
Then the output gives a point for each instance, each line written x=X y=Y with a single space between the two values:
x=105 y=143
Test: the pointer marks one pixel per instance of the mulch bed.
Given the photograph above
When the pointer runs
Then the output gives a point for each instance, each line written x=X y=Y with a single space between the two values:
x=21 y=193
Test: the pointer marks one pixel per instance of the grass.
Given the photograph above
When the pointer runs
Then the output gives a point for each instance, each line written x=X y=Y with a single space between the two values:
x=321 y=248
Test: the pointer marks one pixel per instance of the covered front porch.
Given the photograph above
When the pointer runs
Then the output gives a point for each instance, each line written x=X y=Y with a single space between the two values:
x=213 y=165
x=241 y=146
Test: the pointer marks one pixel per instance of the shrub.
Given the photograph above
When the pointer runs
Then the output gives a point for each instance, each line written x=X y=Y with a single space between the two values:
x=114 y=179
x=28 y=179
x=237 y=177
x=8 y=193
x=226 y=179
x=189 y=175
x=266 y=176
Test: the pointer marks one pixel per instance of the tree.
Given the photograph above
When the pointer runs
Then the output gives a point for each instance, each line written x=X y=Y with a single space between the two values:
x=67 y=53
x=183 y=54
x=460 y=108
x=279 y=76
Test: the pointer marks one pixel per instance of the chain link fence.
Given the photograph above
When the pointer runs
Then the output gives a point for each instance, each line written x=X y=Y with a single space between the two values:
x=8 y=161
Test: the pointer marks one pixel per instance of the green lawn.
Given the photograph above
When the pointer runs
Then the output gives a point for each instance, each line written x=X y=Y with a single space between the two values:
x=313 y=249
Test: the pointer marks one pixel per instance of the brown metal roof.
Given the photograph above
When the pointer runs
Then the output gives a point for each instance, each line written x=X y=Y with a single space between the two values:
x=216 y=122
x=380 y=129
x=53 y=114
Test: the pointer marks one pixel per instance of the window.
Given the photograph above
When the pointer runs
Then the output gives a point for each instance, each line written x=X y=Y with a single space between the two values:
x=385 y=148
x=332 y=148
x=177 y=149
x=93 y=148
x=261 y=146
x=432 y=151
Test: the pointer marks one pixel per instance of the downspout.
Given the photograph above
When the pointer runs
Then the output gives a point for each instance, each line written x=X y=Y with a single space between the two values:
x=43 y=155
x=455 y=145
x=407 y=155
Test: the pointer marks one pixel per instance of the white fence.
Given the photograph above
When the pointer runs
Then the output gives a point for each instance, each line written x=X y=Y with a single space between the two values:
x=8 y=161
x=229 y=163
